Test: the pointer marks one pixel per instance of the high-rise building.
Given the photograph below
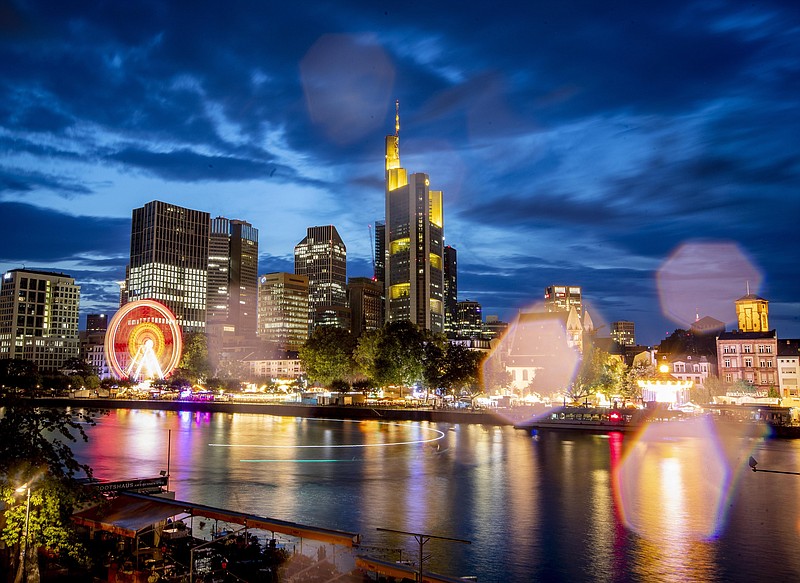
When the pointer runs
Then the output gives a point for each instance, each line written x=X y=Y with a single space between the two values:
x=469 y=319
x=414 y=284
x=623 y=332
x=39 y=317
x=560 y=298
x=365 y=297
x=232 y=278
x=169 y=261
x=450 y=289
x=283 y=309
x=322 y=257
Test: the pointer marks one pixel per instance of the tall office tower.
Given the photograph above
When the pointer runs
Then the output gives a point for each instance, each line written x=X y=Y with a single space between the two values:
x=470 y=320
x=39 y=317
x=322 y=257
x=450 y=290
x=232 y=278
x=283 y=309
x=414 y=284
x=752 y=313
x=623 y=333
x=560 y=298
x=365 y=297
x=169 y=261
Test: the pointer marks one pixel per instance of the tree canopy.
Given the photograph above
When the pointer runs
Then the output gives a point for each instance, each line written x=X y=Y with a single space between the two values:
x=35 y=452
x=327 y=355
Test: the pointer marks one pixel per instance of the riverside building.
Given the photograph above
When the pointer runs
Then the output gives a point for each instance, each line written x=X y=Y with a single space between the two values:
x=39 y=317
x=169 y=261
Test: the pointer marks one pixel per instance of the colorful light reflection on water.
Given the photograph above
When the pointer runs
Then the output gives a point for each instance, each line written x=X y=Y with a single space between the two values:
x=554 y=508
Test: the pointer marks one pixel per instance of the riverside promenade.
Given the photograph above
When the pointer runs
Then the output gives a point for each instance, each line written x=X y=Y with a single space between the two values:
x=483 y=416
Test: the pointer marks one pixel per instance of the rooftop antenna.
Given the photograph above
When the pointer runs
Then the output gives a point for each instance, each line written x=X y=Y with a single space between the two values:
x=748 y=287
x=397 y=117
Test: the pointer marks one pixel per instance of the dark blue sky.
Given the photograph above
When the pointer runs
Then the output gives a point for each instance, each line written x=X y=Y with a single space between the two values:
x=646 y=151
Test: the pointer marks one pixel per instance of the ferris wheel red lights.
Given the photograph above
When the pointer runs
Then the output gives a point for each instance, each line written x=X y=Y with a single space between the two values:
x=143 y=341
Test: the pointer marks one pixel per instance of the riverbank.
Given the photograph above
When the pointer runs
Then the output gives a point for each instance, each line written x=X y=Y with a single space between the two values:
x=484 y=416
x=523 y=418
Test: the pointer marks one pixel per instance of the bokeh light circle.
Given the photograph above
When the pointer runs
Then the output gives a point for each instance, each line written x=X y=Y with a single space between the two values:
x=143 y=337
x=705 y=279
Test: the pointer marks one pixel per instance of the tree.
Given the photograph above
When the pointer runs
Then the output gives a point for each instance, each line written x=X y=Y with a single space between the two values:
x=366 y=353
x=463 y=369
x=495 y=374
x=19 y=373
x=400 y=355
x=34 y=451
x=589 y=373
x=328 y=355
x=194 y=364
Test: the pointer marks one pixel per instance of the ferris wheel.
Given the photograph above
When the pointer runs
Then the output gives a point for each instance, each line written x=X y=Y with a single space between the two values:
x=143 y=341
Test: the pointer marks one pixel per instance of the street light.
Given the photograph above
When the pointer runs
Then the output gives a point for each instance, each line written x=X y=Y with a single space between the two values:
x=20 y=490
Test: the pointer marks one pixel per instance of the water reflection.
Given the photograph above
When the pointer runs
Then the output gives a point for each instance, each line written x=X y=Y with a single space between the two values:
x=558 y=508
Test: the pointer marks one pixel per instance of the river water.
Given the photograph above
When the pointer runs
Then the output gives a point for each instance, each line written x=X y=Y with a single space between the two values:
x=676 y=502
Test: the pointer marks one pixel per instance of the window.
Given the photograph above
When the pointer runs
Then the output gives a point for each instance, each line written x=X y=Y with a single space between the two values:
x=748 y=362
x=726 y=363
x=728 y=349
x=728 y=377
x=747 y=348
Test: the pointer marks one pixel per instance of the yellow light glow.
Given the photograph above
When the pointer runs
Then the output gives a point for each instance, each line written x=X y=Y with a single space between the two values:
x=436 y=260
x=399 y=290
x=663 y=368
x=436 y=213
x=399 y=245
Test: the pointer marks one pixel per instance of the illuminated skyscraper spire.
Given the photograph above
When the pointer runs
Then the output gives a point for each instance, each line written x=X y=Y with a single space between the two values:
x=395 y=174
x=397 y=118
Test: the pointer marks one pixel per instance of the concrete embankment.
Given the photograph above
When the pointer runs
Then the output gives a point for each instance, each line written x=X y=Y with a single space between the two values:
x=484 y=417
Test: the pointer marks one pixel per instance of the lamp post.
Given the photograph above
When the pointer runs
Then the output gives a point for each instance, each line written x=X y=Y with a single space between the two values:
x=20 y=490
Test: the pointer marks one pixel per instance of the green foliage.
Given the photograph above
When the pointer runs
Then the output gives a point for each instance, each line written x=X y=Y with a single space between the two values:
x=18 y=373
x=328 y=355
x=462 y=370
x=495 y=375
x=366 y=353
x=400 y=355
x=34 y=450
x=194 y=363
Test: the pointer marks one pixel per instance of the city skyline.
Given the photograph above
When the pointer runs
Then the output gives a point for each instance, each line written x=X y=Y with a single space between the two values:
x=643 y=153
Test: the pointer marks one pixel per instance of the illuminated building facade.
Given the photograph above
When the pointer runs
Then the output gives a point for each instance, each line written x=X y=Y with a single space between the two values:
x=450 y=289
x=414 y=286
x=469 y=319
x=365 y=297
x=560 y=298
x=623 y=332
x=749 y=356
x=789 y=367
x=283 y=309
x=752 y=313
x=169 y=261
x=494 y=327
x=39 y=317
x=322 y=257
x=232 y=278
